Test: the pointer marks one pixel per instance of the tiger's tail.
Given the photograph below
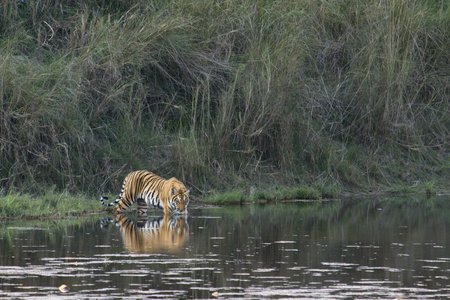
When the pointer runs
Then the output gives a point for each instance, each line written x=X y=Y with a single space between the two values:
x=108 y=204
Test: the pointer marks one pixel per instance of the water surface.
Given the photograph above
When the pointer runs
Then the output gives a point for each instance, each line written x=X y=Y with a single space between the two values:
x=346 y=249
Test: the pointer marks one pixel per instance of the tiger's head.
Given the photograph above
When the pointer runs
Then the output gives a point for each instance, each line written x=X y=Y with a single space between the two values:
x=178 y=197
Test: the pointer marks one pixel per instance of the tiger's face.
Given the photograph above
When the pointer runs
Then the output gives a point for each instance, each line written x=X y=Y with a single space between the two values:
x=179 y=198
x=179 y=202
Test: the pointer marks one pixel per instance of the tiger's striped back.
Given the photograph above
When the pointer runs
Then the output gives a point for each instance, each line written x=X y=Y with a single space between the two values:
x=148 y=189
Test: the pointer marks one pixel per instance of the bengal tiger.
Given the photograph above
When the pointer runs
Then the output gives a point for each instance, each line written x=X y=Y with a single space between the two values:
x=148 y=189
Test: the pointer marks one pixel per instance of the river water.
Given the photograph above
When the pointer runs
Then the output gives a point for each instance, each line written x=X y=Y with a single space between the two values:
x=342 y=249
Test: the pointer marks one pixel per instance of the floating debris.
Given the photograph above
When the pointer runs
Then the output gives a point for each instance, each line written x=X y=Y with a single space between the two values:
x=284 y=242
x=64 y=288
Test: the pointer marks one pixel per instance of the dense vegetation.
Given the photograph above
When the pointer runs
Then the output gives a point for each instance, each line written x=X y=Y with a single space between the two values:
x=224 y=94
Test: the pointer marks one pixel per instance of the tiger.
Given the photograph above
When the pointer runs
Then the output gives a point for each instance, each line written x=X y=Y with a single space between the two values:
x=148 y=189
x=154 y=235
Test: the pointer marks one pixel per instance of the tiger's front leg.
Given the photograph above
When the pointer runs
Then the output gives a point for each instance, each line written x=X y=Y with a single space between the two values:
x=142 y=208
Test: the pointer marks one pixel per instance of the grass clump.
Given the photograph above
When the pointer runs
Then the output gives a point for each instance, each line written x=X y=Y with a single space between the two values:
x=229 y=197
x=238 y=196
x=286 y=193
x=51 y=204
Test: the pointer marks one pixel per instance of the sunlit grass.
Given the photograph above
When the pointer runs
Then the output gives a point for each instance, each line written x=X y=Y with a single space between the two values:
x=51 y=204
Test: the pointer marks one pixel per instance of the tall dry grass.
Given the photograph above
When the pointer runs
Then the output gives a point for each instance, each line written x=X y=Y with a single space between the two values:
x=221 y=94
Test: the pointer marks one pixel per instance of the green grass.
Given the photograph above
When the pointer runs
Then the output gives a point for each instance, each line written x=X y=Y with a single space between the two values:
x=52 y=204
x=277 y=193
x=228 y=197
x=285 y=193
x=425 y=188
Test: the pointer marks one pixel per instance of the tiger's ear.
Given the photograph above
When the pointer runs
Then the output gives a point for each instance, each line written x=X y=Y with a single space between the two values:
x=173 y=191
x=188 y=191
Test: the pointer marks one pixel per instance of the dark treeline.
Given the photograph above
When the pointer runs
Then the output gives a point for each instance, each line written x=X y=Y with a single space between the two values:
x=224 y=94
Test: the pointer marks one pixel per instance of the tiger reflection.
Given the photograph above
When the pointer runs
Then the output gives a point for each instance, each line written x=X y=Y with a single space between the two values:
x=157 y=235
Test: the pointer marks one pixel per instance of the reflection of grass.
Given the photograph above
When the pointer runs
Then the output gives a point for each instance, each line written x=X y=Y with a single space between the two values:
x=350 y=213
x=51 y=224
x=52 y=203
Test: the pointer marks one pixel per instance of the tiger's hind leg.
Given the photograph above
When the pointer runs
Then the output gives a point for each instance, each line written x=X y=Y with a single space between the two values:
x=142 y=208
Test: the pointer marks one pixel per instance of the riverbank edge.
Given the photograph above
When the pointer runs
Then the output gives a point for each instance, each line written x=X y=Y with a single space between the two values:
x=59 y=205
